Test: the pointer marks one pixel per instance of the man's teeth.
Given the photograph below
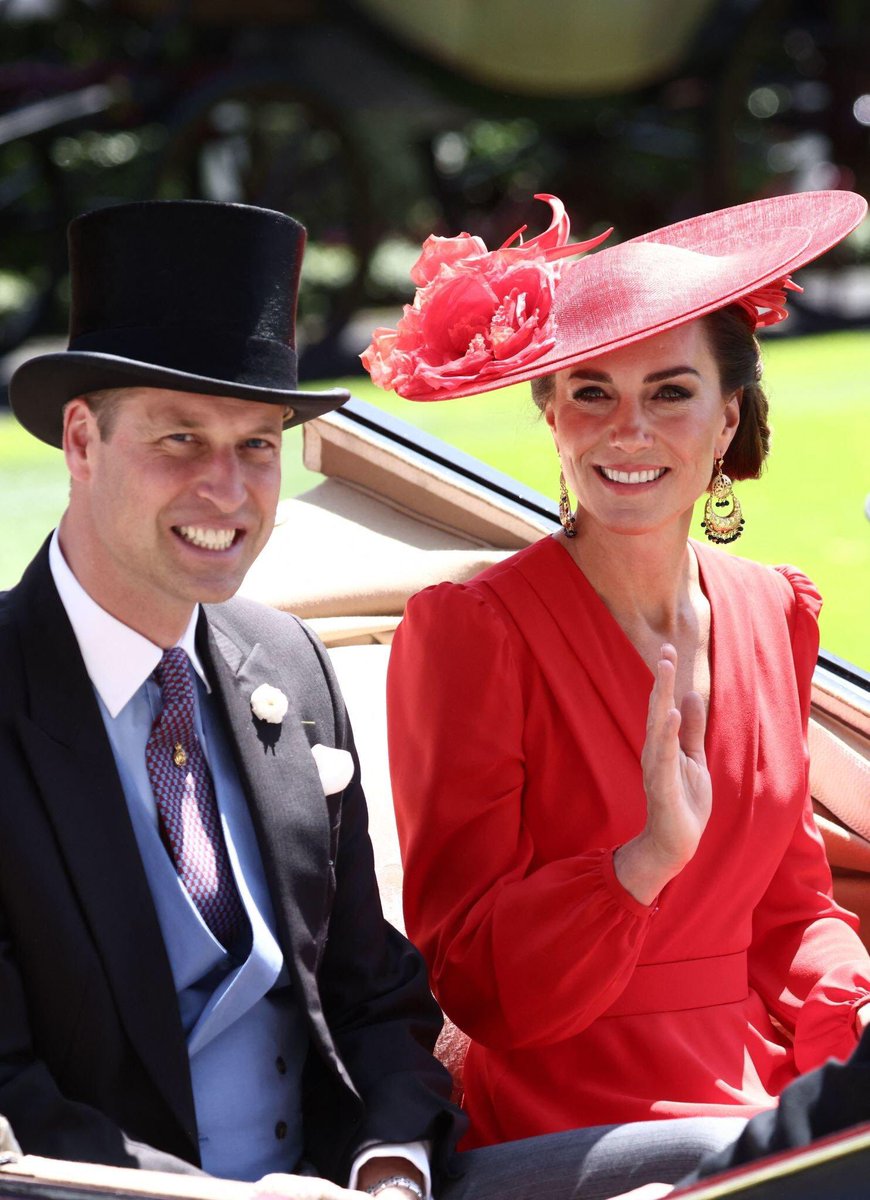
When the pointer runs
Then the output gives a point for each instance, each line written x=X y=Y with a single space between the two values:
x=632 y=476
x=207 y=539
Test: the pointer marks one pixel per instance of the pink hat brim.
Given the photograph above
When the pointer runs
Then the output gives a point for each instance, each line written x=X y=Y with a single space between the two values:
x=625 y=293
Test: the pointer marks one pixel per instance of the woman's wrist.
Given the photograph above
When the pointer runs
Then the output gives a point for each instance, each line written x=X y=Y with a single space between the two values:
x=641 y=870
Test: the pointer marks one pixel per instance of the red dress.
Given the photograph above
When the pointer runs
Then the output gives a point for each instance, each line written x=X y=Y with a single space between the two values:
x=517 y=714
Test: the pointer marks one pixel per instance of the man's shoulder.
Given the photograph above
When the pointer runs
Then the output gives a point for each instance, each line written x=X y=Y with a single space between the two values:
x=244 y=631
x=255 y=622
x=7 y=600
x=7 y=607
x=19 y=613
x=21 y=600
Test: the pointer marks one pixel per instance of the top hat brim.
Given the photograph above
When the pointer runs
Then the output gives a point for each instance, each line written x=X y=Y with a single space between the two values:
x=659 y=281
x=41 y=387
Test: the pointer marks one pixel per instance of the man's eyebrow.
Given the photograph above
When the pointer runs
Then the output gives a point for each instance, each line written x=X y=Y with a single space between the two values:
x=181 y=420
x=264 y=431
x=176 y=418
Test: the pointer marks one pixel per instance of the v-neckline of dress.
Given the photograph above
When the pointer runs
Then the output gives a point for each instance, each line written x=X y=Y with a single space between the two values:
x=610 y=634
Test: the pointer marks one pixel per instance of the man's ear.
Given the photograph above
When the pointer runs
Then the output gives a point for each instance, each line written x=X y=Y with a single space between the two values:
x=79 y=433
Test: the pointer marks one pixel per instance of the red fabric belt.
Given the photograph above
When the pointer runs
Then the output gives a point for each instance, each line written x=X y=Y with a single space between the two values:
x=692 y=983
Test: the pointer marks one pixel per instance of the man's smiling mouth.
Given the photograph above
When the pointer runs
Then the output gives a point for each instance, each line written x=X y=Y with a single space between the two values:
x=205 y=538
x=647 y=476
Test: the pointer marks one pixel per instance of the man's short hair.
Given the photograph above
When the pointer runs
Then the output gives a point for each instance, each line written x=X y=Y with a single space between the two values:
x=104 y=405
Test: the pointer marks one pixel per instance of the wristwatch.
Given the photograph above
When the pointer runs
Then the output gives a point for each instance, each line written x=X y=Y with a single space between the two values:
x=398 y=1181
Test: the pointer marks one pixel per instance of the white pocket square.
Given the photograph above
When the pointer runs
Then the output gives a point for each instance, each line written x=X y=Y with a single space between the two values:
x=335 y=768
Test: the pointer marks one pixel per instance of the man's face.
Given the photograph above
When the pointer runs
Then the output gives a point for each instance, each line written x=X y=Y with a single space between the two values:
x=174 y=506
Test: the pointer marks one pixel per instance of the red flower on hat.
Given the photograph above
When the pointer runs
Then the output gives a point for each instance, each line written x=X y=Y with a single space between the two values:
x=477 y=314
x=766 y=305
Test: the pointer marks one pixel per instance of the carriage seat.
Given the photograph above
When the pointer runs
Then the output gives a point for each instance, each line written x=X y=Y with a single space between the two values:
x=362 y=675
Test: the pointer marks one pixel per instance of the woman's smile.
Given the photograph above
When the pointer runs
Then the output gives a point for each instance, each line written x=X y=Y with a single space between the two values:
x=632 y=476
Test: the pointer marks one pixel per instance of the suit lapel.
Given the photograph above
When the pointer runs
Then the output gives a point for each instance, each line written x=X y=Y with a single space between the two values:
x=287 y=804
x=72 y=762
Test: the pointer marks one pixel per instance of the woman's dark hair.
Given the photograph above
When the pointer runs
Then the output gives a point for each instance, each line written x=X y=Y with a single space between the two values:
x=542 y=390
x=738 y=357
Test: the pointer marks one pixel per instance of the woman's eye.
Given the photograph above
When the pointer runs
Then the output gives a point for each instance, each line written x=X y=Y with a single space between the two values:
x=672 y=392
x=590 y=392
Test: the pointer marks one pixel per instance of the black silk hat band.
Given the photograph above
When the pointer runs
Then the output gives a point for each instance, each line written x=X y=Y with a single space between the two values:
x=186 y=295
x=222 y=351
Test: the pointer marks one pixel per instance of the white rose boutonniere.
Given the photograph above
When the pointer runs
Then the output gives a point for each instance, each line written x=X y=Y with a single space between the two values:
x=269 y=704
x=335 y=768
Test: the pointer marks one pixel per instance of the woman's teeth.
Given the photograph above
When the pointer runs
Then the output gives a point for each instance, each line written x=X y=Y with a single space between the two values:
x=633 y=476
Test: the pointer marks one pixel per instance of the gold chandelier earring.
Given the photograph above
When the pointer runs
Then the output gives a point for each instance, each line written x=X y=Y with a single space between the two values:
x=723 y=517
x=566 y=516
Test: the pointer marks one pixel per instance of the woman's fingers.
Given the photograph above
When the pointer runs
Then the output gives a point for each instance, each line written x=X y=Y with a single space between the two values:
x=676 y=783
x=669 y=652
x=693 y=726
x=661 y=700
x=674 y=765
x=663 y=720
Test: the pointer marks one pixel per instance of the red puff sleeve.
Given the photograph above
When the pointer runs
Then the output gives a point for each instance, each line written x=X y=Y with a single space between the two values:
x=497 y=931
x=806 y=959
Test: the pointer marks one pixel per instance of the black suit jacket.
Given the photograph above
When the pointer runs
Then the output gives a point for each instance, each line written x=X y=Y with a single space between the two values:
x=93 y=1063
x=828 y=1100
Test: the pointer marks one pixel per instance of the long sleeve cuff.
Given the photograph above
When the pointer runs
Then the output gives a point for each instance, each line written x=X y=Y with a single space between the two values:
x=417 y=1153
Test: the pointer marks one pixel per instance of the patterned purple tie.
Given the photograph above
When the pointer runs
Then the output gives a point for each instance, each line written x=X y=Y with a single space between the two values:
x=184 y=794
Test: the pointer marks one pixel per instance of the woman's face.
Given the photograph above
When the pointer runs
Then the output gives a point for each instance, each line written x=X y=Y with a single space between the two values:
x=637 y=430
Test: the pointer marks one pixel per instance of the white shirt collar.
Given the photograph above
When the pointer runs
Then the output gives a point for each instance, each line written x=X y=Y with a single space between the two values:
x=117 y=659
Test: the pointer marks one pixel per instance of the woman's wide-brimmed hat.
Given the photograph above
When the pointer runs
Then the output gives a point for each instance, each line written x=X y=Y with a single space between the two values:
x=486 y=319
x=188 y=295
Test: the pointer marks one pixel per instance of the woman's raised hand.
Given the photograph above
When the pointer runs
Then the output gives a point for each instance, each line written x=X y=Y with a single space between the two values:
x=677 y=785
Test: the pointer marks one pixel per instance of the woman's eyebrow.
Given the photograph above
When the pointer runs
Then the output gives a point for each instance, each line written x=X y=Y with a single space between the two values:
x=655 y=377
x=658 y=376
x=595 y=376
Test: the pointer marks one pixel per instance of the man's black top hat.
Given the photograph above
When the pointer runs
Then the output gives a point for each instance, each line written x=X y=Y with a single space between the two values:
x=187 y=295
